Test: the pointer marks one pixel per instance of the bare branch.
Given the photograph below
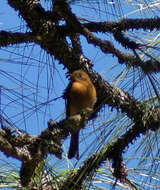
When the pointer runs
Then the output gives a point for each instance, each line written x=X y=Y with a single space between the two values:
x=124 y=25
x=9 y=38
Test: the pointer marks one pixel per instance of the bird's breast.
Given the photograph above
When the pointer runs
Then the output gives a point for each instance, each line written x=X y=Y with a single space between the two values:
x=82 y=95
x=79 y=89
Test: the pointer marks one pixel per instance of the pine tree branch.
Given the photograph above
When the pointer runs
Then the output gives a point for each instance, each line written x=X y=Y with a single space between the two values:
x=47 y=33
x=51 y=36
x=113 y=151
x=124 y=25
x=32 y=150
x=10 y=38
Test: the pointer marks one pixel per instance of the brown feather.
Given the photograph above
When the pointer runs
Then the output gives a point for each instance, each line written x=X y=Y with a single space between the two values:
x=81 y=94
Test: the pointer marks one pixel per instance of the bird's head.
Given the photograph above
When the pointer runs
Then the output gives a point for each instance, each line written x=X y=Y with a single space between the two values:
x=79 y=75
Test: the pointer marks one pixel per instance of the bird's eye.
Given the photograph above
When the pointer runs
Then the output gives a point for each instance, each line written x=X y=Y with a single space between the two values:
x=82 y=77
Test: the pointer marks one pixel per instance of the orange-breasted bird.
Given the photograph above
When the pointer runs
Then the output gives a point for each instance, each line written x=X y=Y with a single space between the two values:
x=79 y=95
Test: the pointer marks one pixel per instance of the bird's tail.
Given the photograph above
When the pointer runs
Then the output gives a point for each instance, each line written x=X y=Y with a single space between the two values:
x=74 y=146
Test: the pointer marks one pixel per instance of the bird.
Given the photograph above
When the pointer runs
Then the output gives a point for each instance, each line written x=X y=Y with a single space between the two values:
x=80 y=94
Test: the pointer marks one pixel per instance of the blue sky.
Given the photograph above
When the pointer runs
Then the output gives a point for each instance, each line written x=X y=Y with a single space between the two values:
x=32 y=77
x=31 y=67
x=29 y=76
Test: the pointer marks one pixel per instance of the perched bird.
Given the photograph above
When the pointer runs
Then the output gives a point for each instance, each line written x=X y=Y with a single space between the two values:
x=79 y=95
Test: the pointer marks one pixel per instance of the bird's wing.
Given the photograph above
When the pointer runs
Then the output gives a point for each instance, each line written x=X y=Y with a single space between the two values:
x=66 y=96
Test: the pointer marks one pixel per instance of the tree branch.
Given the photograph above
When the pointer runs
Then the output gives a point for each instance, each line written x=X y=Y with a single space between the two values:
x=113 y=151
x=32 y=150
x=124 y=25
x=9 y=38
